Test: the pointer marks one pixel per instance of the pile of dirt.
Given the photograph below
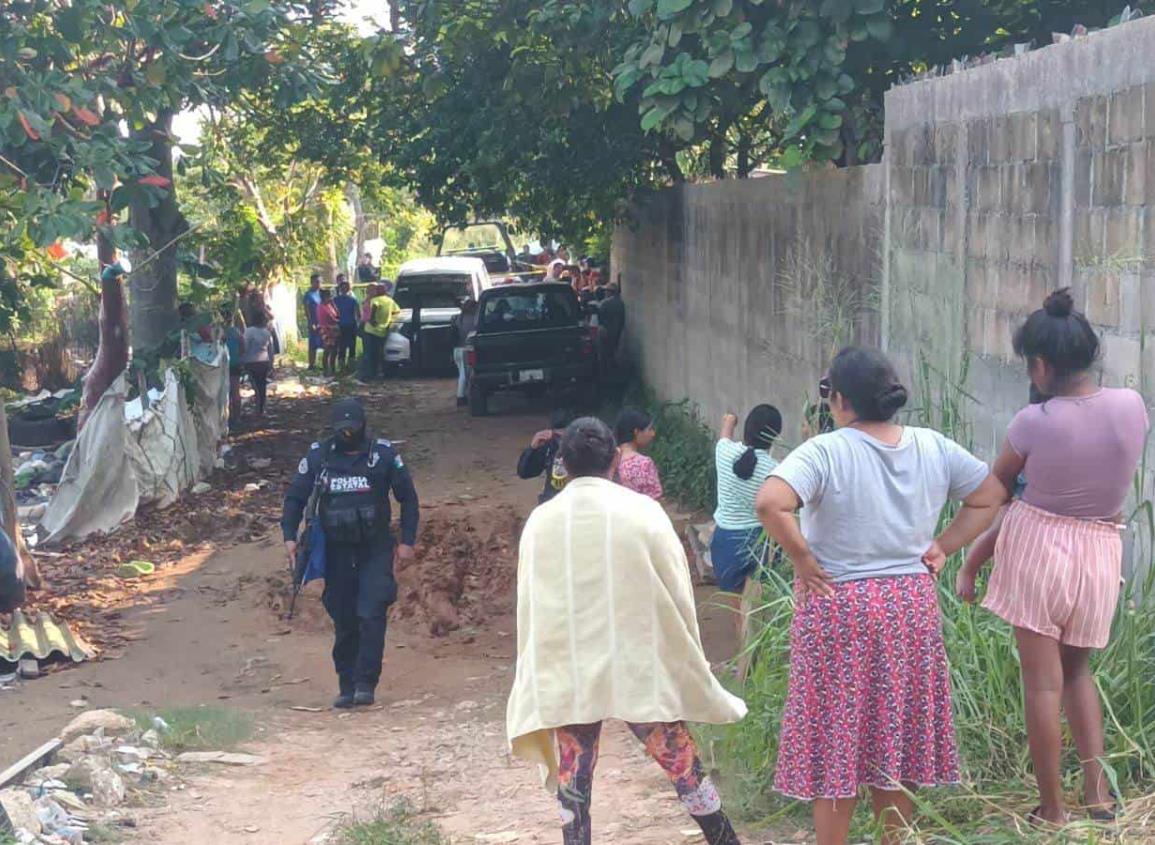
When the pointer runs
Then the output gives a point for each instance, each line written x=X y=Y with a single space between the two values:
x=465 y=571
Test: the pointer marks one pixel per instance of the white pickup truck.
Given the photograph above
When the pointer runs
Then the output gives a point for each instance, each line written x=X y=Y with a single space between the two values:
x=429 y=292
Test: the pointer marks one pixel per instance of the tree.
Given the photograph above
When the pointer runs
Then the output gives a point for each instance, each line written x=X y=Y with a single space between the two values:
x=506 y=108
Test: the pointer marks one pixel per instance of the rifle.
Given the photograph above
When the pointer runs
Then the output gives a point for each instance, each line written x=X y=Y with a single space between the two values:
x=305 y=539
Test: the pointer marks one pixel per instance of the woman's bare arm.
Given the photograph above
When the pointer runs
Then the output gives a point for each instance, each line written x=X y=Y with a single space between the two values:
x=776 y=504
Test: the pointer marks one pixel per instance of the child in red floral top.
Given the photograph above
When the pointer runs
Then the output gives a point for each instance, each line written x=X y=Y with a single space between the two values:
x=635 y=432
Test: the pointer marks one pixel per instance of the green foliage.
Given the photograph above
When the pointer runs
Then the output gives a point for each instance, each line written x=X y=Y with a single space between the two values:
x=398 y=825
x=515 y=99
x=199 y=728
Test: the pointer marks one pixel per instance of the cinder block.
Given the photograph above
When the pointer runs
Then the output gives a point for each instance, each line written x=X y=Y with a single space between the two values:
x=1090 y=231
x=1005 y=331
x=979 y=142
x=1130 y=302
x=1046 y=253
x=1083 y=167
x=974 y=330
x=1040 y=182
x=976 y=230
x=1001 y=140
x=1103 y=298
x=1014 y=289
x=1148 y=157
x=901 y=186
x=922 y=144
x=1124 y=236
x=1135 y=173
x=1147 y=304
x=1091 y=123
x=951 y=235
x=945 y=138
x=1049 y=143
x=1122 y=360
x=1108 y=178
x=989 y=181
x=938 y=185
x=1042 y=282
x=1126 y=116
x=1149 y=109
x=922 y=186
x=1009 y=189
x=1024 y=136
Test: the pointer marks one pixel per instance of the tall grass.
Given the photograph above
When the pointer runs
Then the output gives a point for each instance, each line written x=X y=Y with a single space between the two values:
x=987 y=695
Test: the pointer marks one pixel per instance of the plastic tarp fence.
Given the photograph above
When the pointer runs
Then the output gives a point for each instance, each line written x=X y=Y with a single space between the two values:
x=119 y=464
x=210 y=381
x=162 y=445
x=98 y=490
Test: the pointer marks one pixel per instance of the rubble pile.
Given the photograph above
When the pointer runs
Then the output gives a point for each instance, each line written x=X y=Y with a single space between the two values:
x=104 y=759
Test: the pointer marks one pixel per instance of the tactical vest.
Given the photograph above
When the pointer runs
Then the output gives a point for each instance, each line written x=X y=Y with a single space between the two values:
x=352 y=502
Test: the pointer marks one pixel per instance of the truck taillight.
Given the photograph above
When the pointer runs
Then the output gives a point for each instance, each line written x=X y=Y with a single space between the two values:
x=471 y=357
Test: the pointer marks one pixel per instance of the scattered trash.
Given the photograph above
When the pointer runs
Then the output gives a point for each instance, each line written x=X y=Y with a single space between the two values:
x=260 y=463
x=201 y=487
x=95 y=775
x=28 y=668
x=256 y=487
x=300 y=708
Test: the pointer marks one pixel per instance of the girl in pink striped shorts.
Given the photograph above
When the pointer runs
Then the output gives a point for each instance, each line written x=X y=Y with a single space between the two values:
x=1058 y=557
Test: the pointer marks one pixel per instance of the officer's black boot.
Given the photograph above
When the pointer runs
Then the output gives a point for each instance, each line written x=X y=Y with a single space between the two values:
x=363 y=697
x=345 y=699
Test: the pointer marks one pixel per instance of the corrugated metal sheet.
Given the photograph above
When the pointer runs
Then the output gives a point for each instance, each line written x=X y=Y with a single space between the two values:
x=41 y=637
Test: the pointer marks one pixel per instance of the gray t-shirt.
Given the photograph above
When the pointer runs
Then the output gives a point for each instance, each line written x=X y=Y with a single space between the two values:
x=870 y=510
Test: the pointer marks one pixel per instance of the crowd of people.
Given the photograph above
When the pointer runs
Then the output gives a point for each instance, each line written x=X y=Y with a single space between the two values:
x=607 y=627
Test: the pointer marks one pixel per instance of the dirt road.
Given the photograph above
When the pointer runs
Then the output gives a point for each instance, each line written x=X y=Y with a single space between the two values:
x=207 y=631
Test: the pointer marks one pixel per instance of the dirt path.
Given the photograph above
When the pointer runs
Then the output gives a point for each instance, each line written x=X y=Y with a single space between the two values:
x=206 y=632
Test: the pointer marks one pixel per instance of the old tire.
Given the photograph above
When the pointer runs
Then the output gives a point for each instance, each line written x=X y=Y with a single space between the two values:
x=478 y=401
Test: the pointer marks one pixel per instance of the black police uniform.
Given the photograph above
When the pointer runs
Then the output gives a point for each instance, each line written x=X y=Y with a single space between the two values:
x=355 y=513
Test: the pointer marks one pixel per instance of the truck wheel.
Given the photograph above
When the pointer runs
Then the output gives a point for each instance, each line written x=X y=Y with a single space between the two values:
x=478 y=401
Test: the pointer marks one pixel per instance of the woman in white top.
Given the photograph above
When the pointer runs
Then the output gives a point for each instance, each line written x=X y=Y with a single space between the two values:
x=869 y=704
x=258 y=357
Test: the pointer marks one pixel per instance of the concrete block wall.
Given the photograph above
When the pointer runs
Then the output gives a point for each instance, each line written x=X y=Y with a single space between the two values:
x=1048 y=168
x=738 y=291
x=998 y=185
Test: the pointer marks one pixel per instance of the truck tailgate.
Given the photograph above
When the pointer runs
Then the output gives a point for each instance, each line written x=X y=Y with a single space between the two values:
x=536 y=347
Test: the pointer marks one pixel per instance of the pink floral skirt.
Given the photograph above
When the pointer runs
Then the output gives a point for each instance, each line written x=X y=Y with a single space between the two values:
x=869 y=701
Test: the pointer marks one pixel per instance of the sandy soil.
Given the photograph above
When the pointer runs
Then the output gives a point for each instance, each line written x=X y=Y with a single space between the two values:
x=207 y=631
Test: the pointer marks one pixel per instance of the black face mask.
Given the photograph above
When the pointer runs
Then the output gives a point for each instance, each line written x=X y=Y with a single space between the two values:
x=351 y=438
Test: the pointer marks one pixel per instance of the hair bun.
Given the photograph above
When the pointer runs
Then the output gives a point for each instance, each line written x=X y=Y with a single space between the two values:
x=1059 y=304
x=891 y=400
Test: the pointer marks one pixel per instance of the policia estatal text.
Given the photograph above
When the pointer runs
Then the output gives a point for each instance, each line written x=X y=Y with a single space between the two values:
x=353 y=475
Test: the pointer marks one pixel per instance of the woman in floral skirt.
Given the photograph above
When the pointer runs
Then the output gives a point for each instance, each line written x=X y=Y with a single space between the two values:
x=869 y=704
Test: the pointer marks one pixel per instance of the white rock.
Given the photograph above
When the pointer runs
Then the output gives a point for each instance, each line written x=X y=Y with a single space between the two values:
x=150 y=738
x=110 y=721
x=201 y=487
x=47 y=773
x=21 y=812
x=84 y=746
x=96 y=775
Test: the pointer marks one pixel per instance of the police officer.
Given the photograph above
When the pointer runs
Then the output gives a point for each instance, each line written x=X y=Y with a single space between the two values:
x=353 y=475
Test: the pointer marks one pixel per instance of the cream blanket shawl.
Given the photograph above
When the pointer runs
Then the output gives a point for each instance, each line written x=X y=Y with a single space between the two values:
x=606 y=623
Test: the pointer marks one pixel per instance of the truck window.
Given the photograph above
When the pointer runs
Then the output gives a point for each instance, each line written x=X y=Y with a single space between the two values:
x=444 y=290
x=529 y=310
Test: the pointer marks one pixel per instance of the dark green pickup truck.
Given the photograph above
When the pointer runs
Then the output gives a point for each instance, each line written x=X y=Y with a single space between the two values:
x=532 y=338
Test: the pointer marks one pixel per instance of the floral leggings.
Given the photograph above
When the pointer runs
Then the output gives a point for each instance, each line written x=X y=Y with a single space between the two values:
x=672 y=748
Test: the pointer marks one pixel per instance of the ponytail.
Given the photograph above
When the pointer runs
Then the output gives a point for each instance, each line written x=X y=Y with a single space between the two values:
x=745 y=465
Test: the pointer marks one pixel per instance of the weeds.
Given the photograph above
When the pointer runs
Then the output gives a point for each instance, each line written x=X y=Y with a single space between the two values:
x=397 y=825
x=988 y=692
x=199 y=728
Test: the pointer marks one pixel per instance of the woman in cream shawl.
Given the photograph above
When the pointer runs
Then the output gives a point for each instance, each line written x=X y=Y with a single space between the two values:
x=607 y=629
